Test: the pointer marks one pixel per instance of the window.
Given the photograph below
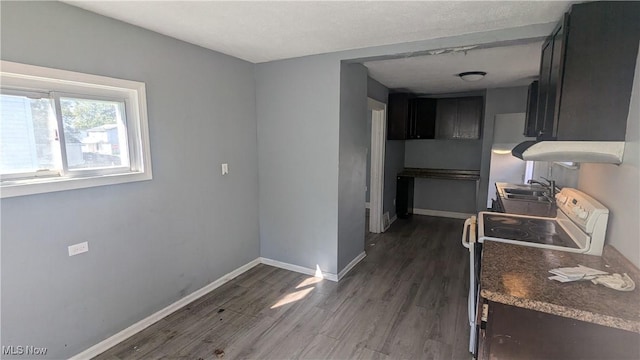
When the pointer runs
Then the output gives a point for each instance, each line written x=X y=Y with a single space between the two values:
x=63 y=130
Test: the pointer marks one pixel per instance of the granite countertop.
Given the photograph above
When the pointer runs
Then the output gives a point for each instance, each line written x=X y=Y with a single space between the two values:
x=447 y=174
x=524 y=207
x=518 y=276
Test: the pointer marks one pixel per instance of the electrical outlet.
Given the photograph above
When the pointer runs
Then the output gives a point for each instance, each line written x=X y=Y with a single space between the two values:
x=225 y=169
x=78 y=248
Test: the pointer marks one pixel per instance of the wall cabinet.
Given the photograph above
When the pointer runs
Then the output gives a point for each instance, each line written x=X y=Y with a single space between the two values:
x=459 y=118
x=398 y=116
x=586 y=73
x=551 y=67
x=430 y=118
x=422 y=118
x=410 y=117
x=532 y=111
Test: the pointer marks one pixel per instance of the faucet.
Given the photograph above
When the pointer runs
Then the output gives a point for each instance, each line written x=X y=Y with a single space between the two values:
x=531 y=181
x=550 y=185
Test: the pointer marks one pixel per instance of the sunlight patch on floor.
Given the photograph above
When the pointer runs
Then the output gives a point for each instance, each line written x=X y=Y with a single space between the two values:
x=308 y=281
x=292 y=297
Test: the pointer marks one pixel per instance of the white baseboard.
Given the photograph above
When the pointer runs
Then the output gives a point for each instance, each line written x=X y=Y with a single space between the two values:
x=108 y=343
x=300 y=269
x=439 y=213
x=350 y=265
x=393 y=219
x=117 y=338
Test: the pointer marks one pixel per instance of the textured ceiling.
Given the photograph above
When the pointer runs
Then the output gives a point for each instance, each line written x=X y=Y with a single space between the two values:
x=437 y=74
x=266 y=31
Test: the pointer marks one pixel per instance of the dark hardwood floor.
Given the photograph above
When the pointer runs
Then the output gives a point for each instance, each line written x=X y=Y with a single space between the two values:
x=405 y=300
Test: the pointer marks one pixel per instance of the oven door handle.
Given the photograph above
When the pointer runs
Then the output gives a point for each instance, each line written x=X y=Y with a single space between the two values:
x=469 y=224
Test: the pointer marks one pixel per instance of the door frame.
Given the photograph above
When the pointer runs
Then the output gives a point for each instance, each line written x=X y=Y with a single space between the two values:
x=378 y=141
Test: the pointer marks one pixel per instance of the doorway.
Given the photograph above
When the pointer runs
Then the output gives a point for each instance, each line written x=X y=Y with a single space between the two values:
x=376 y=187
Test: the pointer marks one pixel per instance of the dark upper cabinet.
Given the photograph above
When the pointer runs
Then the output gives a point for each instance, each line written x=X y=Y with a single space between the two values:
x=551 y=68
x=446 y=117
x=410 y=117
x=599 y=66
x=469 y=118
x=429 y=118
x=422 y=119
x=398 y=116
x=586 y=73
x=459 y=118
x=543 y=86
x=532 y=111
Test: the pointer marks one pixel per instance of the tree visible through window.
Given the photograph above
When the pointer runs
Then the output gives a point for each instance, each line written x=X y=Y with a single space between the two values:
x=94 y=133
x=63 y=130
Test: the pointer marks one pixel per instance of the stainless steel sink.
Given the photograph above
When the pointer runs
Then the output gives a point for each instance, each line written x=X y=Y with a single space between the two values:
x=525 y=192
x=536 y=198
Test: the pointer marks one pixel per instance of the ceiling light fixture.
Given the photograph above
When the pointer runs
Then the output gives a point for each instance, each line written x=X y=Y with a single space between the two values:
x=472 y=75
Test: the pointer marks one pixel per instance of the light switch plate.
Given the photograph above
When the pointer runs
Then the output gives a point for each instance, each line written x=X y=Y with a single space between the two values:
x=78 y=248
x=225 y=169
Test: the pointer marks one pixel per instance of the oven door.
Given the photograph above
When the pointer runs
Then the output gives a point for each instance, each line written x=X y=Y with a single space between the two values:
x=469 y=241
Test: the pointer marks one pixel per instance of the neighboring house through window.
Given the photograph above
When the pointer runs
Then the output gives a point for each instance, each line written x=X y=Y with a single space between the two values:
x=63 y=130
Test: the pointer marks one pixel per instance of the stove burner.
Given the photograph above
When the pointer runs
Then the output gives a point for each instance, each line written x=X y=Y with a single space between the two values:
x=505 y=220
x=509 y=233
x=543 y=230
x=540 y=231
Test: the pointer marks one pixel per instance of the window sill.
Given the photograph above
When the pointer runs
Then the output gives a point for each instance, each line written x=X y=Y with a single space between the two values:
x=46 y=185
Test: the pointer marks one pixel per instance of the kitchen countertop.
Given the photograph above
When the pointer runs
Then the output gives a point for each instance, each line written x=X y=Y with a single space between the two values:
x=446 y=174
x=524 y=207
x=518 y=276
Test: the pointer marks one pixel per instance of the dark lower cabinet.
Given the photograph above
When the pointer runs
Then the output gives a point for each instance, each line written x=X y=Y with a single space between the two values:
x=404 y=196
x=515 y=333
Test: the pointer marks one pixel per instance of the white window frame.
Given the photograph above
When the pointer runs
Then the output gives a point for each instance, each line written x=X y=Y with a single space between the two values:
x=22 y=77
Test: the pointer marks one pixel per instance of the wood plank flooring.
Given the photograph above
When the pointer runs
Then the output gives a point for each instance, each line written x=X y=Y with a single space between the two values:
x=405 y=300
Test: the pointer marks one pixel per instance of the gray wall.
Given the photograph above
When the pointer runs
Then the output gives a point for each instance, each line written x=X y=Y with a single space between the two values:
x=461 y=196
x=153 y=242
x=618 y=187
x=298 y=128
x=497 y=101
x=298 y=112
x=377 y=91
x=444 y=195
x=352 y=162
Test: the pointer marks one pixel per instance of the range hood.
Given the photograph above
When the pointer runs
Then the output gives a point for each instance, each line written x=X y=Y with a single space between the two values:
x=575 y=151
